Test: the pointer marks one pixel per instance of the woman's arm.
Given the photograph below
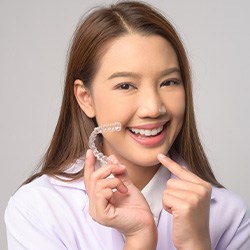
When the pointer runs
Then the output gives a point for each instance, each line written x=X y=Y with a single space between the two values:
x=144 y=239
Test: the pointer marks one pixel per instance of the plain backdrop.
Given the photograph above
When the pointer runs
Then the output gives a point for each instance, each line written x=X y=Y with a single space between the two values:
x=34 y=38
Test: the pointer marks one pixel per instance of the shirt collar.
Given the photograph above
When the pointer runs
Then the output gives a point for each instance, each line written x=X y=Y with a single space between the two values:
x=65 y=182
x=153 y=191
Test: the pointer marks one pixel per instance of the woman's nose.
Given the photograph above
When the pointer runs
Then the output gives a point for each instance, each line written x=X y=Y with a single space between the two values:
x=151 y=105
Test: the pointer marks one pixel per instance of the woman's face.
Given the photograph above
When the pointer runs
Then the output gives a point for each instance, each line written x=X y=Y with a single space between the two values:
x=139 y=85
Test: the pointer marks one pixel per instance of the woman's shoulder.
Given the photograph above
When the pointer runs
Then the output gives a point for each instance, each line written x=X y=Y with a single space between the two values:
x=48 y=211
x=228 y=205
x=47 y=185
x=45 y=191
x=229 y=220
x=227 y=198
x=46 y=201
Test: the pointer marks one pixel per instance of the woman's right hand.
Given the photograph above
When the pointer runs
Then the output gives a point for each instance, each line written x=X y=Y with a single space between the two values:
x=116 y=202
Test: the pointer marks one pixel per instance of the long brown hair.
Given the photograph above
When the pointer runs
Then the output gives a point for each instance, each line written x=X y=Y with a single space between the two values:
x=70 y=139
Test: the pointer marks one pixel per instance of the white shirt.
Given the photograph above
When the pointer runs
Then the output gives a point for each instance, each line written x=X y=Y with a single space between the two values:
x=52 y=214
x=153 y=191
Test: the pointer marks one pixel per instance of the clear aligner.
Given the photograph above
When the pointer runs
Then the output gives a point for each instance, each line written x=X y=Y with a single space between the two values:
x=99 y=130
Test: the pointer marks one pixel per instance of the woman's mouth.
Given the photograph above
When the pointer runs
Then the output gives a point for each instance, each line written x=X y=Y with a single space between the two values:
x=149 y=136
x=146 y=132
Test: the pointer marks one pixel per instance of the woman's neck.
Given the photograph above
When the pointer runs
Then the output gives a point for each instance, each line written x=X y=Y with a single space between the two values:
x=140 y=176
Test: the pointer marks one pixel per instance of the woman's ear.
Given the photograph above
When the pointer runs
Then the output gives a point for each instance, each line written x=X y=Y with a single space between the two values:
x=84 y=98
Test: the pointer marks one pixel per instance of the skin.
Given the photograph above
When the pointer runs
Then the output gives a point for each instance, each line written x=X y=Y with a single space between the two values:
x=187 y=198
x=150 y=94
x=135 y=99
x=126 y=210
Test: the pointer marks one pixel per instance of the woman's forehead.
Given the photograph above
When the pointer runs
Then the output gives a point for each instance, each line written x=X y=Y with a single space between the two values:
x=131 y=52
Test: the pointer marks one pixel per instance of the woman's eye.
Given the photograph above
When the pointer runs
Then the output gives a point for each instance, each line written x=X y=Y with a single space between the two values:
x=170 y=82
x=125 y=86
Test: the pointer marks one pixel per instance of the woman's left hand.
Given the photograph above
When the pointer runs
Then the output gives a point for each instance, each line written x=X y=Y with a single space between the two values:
x=187 y=198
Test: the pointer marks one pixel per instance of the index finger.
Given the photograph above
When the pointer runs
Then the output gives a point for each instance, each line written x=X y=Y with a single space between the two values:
x=89 y=166
x=177 y=170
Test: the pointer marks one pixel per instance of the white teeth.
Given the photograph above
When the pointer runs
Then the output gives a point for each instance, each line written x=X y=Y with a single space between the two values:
x=147 y=132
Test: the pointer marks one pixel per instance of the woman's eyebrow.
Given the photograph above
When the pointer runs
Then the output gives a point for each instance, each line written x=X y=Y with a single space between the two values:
x=170 y=71
x=124 y=74
x=136 y=75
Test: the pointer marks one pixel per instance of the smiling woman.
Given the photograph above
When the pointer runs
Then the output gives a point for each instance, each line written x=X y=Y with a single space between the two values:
x=126 y=64
x=156 y=103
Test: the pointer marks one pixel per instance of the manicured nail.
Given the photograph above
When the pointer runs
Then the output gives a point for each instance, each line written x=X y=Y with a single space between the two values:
x=121 y=166
x=113 y=159
x=161 y=156
x=88 y=153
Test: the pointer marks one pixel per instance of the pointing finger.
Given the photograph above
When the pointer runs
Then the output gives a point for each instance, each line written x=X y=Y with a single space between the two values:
x=177 y=170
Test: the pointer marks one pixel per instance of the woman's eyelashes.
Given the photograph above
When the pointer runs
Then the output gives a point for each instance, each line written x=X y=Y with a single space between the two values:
x=170 y=82
x=132 y=86
x=125 y=86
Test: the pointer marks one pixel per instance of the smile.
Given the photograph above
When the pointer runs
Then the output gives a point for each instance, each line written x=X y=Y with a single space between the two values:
x=146 y=132
x=149 y=135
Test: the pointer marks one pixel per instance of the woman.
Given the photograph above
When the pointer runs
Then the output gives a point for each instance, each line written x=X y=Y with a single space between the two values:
x=127 y=64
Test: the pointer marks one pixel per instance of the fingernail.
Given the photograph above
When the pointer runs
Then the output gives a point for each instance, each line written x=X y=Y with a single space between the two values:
x=161 y=156
x=121 y=166
x=113 y=159
x=88 y=153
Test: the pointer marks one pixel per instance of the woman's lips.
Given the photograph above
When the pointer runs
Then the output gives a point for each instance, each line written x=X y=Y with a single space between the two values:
x=146 y=132
x=149 y=137
x=150 y=126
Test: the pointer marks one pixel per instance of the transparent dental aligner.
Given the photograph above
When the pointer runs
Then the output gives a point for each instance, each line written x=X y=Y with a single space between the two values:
x=99 y=130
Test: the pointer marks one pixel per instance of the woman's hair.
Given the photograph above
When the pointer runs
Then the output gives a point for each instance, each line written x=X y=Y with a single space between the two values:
x=70 y=139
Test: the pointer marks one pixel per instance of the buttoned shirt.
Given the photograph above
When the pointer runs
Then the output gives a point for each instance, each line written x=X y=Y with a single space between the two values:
x=49 y=213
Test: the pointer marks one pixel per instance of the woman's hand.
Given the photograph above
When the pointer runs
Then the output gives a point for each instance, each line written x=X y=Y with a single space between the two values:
x=187 y=198
x=117 y=203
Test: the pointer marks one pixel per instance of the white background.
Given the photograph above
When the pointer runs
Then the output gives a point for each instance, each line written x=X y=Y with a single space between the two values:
x=34 y=37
